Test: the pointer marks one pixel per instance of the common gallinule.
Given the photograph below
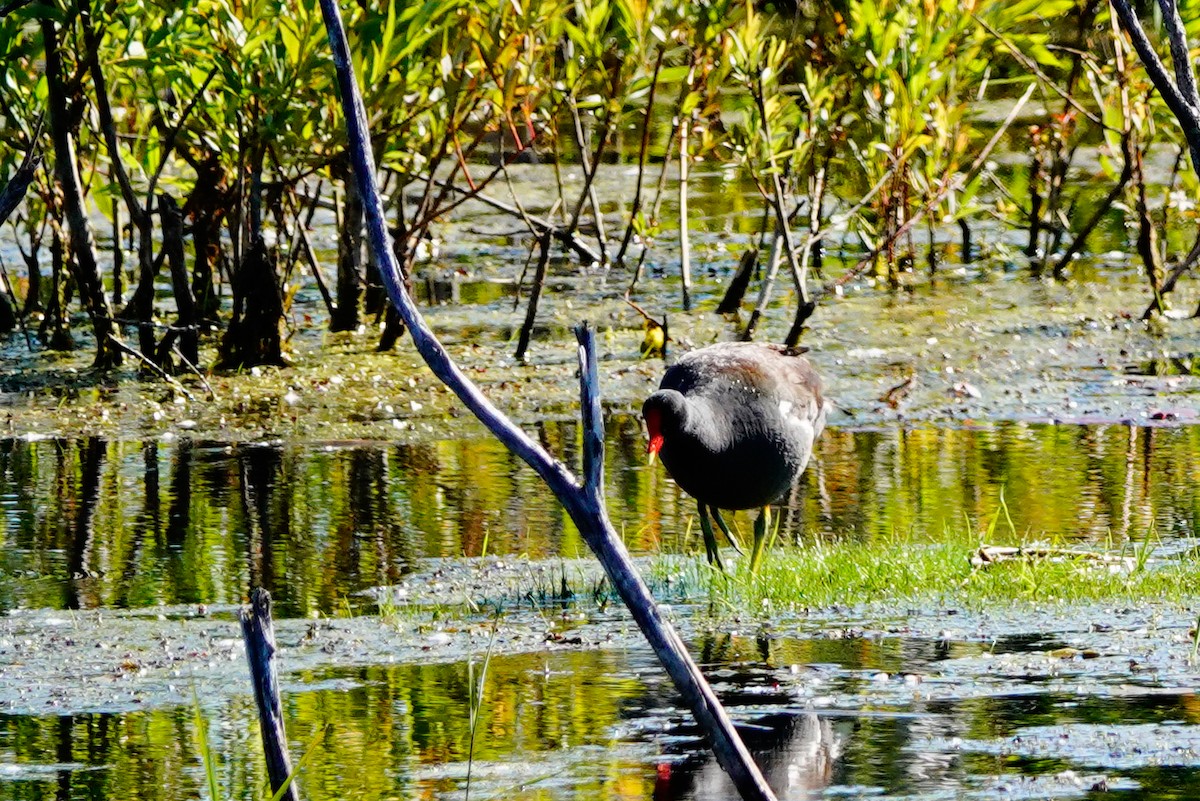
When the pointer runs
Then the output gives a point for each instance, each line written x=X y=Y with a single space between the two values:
x=734 y=424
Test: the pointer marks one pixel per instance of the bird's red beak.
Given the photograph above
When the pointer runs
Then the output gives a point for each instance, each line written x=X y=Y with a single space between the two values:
x=655 y=431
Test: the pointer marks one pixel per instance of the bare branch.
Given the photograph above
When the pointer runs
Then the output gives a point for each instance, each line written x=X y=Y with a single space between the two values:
x=154 y=368
x=584 y=503
x=1031 y=65
x=13 y=192
x=1182 y=107
x=1180 y=56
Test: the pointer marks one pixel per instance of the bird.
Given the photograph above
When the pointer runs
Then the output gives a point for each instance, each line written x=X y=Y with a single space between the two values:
x=734 y=424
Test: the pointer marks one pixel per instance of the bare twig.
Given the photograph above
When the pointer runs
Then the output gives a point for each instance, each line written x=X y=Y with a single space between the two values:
x=173 y=134
x=685 y=239
x=212 y=395
x=569 y=238
x=636 y=208
x=776 y=198
x=1031 y=65
x=1127 y=161
x=588 y=169
x=645 y=315
x=590 y=174
x=154 y=368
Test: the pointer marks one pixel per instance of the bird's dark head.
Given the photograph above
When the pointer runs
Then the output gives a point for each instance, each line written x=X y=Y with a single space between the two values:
x=664 y=413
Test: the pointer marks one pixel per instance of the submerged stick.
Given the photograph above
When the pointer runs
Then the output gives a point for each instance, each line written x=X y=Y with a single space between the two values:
x=258 y=632
x=583 y=501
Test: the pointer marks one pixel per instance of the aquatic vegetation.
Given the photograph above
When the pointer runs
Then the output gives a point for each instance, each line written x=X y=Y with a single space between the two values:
x=208 y=144
x=903 y=572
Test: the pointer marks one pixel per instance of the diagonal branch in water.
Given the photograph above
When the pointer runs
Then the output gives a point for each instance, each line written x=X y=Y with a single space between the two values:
x=584 y=502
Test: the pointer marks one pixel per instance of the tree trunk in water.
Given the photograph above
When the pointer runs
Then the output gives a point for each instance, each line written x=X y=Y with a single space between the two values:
x=185 y=302
x=535 y=293
x=350 y=258
x=393 y=325
x=55 y=330
x=393 y=329
x=208 y=204
x=732 y=301
x=375 y=299
x=1147 y=240
x=8 y=315
x=255 y=334
x=82 y=243
x=118 y=291
x=803 y=312
x=141 y=304
x=1036 y=176
x=968 y=254
x=33 y=294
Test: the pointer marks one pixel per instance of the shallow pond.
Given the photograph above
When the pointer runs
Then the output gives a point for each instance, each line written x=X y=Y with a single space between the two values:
x=573 y=705
x=867 y=716
x=96 y=523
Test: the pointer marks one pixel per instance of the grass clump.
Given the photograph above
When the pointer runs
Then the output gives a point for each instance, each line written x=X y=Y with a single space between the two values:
x=945 y=572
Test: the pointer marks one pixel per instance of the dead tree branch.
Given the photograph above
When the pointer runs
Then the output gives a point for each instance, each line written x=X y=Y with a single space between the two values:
x=583 y=501
x=1180 y=95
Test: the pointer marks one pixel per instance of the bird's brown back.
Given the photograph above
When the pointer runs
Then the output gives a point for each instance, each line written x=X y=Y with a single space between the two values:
x=764 y=369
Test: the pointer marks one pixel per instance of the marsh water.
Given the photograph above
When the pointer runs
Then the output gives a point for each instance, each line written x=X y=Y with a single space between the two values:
x=855 y=718
x=94 y=523
x=179 y=525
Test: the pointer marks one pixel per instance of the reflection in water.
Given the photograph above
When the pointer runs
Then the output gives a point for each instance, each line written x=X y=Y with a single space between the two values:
x=799 y=765
x=396 y=732
x=91 y=523
x=601 y=725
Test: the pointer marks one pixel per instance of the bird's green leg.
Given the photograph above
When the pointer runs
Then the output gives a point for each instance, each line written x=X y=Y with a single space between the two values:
x=710 y=540
x=729 y=535
x=761 y=526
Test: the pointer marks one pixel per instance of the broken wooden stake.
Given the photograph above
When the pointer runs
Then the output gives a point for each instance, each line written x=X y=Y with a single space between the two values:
x=258 y=632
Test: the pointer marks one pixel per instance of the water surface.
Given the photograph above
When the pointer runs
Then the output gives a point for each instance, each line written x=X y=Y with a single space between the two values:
x=851 y=717
x=107 y=523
